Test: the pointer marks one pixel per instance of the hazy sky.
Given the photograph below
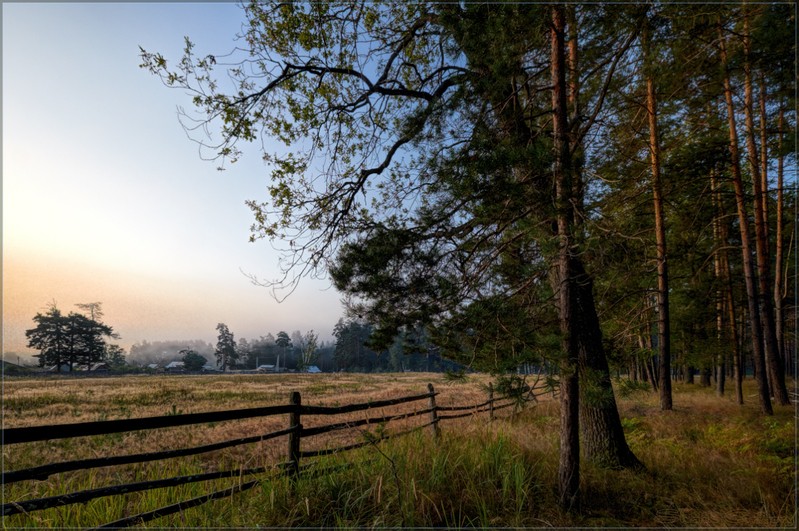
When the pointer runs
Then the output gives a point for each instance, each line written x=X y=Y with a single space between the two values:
x=104 y=197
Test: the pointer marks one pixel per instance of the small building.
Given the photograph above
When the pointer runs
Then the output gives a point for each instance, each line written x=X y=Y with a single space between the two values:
x=175 y=366
x=154 y=367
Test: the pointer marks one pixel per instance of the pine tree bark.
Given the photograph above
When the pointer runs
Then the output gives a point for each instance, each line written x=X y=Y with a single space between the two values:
x=603 y=435
x=737 y=359
x=600 y=425
x=724 y=275
x=774 y=365
x=664 y=326
x=779 y=299
x=718 y=270
x=762 y=93
x=569 y=462
x=743 y=219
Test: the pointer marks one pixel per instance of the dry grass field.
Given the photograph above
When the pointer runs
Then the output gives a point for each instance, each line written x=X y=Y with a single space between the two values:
x=709 y=462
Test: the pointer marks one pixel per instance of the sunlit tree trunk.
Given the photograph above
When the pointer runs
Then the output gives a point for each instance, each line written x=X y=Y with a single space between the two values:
x=664 y=332
x=743 y=219
x=774 y=365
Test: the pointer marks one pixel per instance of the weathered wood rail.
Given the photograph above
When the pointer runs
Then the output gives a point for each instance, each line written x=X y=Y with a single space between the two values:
x=295 y=433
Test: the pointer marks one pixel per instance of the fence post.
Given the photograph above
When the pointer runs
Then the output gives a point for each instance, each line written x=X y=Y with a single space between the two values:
x=434 y=412
x=490 y=402
x=294 y=436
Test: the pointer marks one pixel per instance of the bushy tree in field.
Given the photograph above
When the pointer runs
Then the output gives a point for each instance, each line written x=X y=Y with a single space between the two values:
x=73 y=339
x=49 y=337
x=447 y=146
x=192 y=361
x=226 y=353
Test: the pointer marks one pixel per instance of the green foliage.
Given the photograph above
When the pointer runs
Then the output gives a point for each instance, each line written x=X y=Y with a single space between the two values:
x=73 y=339
x=115 y=355
x=593 y=392
x=424 y=165
x=226 y=353
x=514 y=387
x=416 y=158
x=626 y=387
x=192 y=361
x=458 y=376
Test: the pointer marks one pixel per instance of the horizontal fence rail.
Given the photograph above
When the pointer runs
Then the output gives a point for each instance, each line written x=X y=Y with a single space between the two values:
x=105 y=427
x=44 y=471
x=295 y=433
x=91 y=494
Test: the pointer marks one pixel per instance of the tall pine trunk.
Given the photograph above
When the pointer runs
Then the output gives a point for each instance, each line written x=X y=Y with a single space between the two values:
x=737 y=356
x=746 y=248
x=779 y=318
x=664 y=326
x=727 y=296
x=600 y=425
x=569 y=462
x=774 y=365
x=719 y=274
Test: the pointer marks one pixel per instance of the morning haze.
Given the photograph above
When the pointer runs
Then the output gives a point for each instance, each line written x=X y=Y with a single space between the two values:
x=105 y=200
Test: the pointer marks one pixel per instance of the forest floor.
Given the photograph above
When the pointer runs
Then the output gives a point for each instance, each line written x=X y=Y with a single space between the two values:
x=709 y=462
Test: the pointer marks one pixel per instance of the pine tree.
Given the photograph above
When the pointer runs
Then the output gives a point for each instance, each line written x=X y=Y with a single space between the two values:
x=226 y=352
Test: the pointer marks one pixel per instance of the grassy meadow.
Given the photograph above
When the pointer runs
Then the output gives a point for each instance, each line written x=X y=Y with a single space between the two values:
x=710 y=463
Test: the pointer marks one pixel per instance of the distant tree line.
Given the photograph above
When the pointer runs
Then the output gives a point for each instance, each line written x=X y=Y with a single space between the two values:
x=79 y=340
x=351 y=351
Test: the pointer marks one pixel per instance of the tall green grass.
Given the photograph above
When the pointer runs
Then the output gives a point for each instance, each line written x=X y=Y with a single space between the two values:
x=709 y=463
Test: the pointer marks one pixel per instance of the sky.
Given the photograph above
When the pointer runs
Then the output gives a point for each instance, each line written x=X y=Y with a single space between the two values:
x=106 y=199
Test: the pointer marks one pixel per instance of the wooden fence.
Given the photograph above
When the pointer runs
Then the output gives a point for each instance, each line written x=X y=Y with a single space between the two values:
x=294 y=432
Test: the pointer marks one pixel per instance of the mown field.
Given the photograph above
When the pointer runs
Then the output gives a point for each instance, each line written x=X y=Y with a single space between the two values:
x=710 y=463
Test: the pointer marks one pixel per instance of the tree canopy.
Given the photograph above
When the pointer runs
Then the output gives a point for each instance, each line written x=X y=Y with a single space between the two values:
x=74 y=339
